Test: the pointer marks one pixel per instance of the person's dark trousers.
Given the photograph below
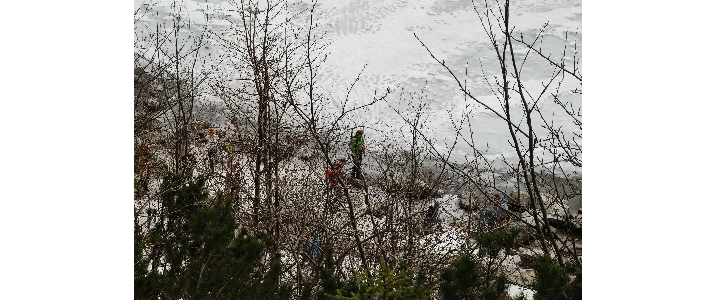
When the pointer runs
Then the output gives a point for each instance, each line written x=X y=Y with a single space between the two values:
x=356 y=169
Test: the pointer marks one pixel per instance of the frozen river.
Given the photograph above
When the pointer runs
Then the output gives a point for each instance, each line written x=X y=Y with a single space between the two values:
x=379 y=39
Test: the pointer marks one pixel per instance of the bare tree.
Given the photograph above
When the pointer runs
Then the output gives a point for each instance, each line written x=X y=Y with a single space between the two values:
x=543 y=149
x=169 y=78
x=168 y=84
x=273 y=58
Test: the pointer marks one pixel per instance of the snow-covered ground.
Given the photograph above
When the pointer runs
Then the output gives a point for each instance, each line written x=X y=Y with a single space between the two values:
x=450 y=239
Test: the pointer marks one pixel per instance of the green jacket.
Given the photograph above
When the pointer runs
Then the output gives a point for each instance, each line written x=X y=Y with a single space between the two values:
x=355 y=145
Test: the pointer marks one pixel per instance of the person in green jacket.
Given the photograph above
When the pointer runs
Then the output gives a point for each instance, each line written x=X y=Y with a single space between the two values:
x=357 y=148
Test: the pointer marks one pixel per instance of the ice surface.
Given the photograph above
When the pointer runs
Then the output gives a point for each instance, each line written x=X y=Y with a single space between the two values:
x=379 y=37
